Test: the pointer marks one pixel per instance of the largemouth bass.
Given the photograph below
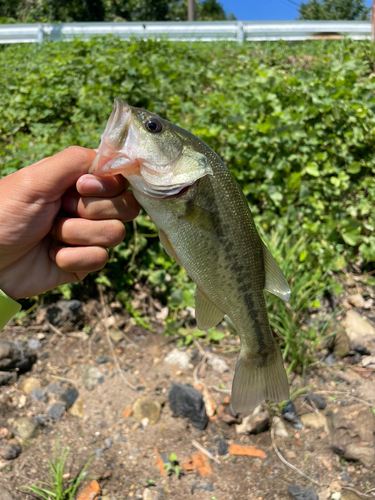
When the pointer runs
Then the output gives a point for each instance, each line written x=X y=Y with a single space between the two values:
x=205 y=224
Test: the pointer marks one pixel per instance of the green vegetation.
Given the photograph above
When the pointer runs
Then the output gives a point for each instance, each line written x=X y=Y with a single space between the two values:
x=334 y=10
x=295 y=123
x=57 y=488
x=172 y=466
x=65 y=11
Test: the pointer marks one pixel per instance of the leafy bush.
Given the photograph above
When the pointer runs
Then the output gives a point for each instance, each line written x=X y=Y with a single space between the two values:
x=295 y=123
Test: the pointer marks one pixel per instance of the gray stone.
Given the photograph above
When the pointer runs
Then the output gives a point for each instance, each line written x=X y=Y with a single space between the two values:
x=361 y=349
x=108 y=442
x=34 y=344
x=55 y=388
x=63 y=311
x=56 y=410
x=26 y=428
x=303 y=492
x=222 y=446
x=317 y=400
x=279 y=428
x=351 y=431
x=186 y=401
x=289 y=413
x=99 y=452
x=8 y=378
x=15 y=355
x=178 y=358
x=358 y=329
x=9 y=450
x=38 y=394
x=146 y=408
x=90 y=376
x=69 y=397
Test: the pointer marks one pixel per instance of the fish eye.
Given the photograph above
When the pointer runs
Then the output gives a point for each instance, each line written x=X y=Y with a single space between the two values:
x=154 y=126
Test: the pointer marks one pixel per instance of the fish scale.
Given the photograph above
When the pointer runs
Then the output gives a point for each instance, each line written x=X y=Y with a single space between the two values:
x=205 y=223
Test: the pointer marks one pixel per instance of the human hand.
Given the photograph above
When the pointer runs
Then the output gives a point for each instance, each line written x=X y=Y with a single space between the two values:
x=41 y=248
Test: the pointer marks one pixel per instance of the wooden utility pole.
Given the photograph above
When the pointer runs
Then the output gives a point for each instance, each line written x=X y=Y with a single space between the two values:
x=191 y=10
x=373 y=21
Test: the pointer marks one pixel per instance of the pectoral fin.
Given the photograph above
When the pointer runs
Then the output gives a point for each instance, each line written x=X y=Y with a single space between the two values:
x=202 y=219
x=167 y=246
x=275 y=280
x=206 y=313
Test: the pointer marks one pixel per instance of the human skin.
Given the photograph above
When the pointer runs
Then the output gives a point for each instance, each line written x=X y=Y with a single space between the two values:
x=57 y=221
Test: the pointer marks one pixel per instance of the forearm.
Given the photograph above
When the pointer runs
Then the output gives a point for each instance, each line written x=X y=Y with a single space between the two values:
x=8 y=308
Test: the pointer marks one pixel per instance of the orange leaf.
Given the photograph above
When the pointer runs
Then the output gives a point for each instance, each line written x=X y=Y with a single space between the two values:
x=159 y=462
x=188 y=465
x=90 y=492
x=201 y=463
x=326 y=463
x=127 y=412
x=250 y=451
x=226 y=400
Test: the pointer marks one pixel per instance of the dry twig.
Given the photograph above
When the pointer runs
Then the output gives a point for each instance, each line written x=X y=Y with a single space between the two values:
x=362 y=495
x=205 y=451
x=277 y=451
x=110 y=342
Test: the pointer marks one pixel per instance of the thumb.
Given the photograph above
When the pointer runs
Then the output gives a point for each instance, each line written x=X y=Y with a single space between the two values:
x=48 y=179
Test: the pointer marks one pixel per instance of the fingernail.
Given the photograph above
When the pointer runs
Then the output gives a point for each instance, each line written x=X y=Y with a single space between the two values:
x=90 y=186
x=69 y=203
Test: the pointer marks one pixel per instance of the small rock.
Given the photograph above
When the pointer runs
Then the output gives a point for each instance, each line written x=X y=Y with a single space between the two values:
x=336 y=496
x=356 y=300
x=330 y=359
x=186 y=401
x=69 y=397
x=56 y=410
x=26 y=428
x=361 y=349
x=90 y=376
x=163 y=314
x=116 y=335
x=313 y=420
x=8 y=378
x=29 y=384
x=351 y=433
x=77 y=409
x=14 y=355
x=55 y=388
x=102 y=360
x=303 y=492
x=222 y=446
x=335 y=487
x=289 y=413
x=341 y=344
x=9 y=450
x=151 y=494
x=290 y=454
x=218 y=364
x=5 y=494
x=358 y=329
x=317 y=400
x=108 y=442
x=368 y=360
x=201 y=486
x=146 y=408
x=178 y=358
x=38 y=394
x=255 y=423
x=63 y=311
x=34 y=344
x=145 y=422
x=279 y=428
x=99 y=452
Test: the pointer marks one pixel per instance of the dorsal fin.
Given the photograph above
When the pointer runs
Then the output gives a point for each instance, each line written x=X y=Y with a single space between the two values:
x=206 y=313
x=275 y=280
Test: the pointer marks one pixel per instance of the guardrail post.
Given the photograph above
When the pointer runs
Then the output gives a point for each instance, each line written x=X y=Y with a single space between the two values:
x=40 y=33
x=240 y=33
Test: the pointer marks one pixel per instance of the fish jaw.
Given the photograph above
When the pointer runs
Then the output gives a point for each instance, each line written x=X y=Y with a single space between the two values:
x=125 y=148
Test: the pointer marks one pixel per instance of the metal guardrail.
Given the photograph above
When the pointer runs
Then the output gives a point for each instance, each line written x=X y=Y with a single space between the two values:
x=239 y=31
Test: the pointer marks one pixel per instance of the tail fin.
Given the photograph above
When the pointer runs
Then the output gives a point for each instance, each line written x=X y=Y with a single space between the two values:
x=257 y=379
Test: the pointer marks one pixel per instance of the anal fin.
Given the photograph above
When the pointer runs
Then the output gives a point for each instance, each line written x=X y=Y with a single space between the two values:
x=206 y=313
x=276 y=282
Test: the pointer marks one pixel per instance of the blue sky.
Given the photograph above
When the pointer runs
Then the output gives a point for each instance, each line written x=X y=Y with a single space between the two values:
x=265 y=10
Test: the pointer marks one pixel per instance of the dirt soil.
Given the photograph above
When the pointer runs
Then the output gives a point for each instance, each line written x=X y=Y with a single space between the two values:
x=126 y=465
